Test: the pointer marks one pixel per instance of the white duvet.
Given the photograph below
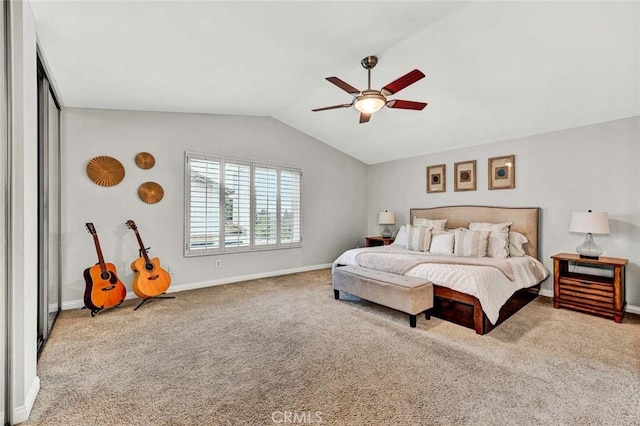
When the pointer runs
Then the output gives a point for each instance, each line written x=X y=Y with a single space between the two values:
x=488 y=284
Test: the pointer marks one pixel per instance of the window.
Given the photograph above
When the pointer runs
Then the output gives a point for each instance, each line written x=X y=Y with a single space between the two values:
x=257 y=205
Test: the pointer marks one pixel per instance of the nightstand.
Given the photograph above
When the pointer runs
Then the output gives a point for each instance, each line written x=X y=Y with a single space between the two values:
x=378 y=241
x=586 y=292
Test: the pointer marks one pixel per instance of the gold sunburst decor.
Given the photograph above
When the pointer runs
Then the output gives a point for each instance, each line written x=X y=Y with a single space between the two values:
x=150 y=192
x=105 y=171
x=144 y=160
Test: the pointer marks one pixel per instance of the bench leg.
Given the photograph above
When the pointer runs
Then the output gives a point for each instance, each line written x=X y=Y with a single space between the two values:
x=336 y=294
x=427 y=314
x=412 y=321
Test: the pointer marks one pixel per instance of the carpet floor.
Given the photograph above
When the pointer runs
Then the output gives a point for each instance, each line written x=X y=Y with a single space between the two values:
x=283 y=351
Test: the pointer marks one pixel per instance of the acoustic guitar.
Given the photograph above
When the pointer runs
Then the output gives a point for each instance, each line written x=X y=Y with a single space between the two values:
x=150 y=279
x=103 y=287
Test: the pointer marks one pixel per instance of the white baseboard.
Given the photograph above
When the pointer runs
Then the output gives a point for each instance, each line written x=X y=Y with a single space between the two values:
x=546 y=293
x=21 y=413
x=632 y=309
x=77 y=304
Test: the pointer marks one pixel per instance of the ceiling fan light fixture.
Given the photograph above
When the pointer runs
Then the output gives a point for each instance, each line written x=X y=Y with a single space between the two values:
x=369 y=102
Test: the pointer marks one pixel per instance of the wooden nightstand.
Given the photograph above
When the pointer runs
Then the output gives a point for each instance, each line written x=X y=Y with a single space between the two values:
x=378 y=241
x=594 y=294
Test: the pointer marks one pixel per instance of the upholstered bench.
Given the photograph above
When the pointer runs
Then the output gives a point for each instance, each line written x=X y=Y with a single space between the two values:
x=406 y=294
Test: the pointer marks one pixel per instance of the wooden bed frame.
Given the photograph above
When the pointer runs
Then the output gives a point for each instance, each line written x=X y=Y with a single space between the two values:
x=461 y=308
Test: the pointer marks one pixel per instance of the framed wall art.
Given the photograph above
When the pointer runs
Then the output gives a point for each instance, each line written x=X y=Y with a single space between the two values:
x=464 y=176
x=502 y=172
x=436 y=178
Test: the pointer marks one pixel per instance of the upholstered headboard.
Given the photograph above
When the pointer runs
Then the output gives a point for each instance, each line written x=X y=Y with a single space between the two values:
x=525 y=220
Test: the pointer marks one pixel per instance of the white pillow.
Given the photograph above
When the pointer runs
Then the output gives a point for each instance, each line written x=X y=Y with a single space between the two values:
x=418 y=238
x=401 y=237
x=436 y=224
x=498 y=246
x=494 y=227
x=442 y=243
x=516 y=243
x=471 y=243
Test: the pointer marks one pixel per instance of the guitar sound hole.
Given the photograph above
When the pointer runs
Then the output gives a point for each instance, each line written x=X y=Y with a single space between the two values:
x=148 y=266
x=105 y=275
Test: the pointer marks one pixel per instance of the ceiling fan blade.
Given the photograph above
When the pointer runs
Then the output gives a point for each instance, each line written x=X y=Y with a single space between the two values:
x=404 y=81
x=344 y=86
x=332 y=107
x=399 y=103
x=364 y=117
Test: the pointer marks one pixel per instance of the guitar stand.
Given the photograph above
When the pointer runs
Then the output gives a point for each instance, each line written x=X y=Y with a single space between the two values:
x=154 y=297
x=94 y=312
x=140 y=251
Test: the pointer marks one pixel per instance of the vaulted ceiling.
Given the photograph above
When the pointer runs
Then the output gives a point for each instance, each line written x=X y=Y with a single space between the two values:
x=495 y=70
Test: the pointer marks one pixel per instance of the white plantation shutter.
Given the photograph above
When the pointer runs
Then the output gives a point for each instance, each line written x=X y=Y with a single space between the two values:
x=235 y=205
x=203 y=204
x=237 y=217
x=265 y=222
x=290 y=207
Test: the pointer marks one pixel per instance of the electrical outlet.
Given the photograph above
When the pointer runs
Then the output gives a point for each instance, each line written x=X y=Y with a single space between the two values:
x=218 y=263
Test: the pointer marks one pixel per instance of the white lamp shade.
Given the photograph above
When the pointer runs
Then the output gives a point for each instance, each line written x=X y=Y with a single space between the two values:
x=386 y=218
x=589 y=223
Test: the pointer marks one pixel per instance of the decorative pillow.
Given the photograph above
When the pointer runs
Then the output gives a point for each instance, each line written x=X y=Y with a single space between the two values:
x=498 y=240
x=498 y=246
x=401 y=237
x=437 y=224
x=516 y=244
x=471 y=243
x=442 y=243
x=418 y=238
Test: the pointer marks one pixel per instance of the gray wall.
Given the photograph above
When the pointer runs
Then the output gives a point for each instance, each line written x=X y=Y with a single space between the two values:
x=334 y=193
x=594 y=167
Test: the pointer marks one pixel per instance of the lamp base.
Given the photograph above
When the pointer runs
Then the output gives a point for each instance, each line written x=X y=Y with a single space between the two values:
x=386 y=232
x=589 y=249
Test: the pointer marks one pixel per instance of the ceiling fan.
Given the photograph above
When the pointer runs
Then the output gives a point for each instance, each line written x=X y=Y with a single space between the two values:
x=370 y=100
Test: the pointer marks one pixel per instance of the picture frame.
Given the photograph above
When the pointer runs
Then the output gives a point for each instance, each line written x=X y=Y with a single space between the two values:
x=502 y=172
x=437 y=178
x=464 y=173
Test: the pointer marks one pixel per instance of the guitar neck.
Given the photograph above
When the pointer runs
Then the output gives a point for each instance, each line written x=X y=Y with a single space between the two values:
x=103 y=266
x=142 y=249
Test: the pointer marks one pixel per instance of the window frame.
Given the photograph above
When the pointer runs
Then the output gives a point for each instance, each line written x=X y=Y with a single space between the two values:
x=252 y=246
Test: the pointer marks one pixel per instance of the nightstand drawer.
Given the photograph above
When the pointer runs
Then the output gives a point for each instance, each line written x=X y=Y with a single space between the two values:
x=586 y=285
x=583 y=291
x=577 y=295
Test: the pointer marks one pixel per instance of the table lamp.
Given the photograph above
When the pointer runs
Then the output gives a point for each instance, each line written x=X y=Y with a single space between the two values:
x=589 y=223
x=386 y=218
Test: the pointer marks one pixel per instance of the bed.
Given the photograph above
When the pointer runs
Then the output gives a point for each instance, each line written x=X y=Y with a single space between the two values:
x=465 y=300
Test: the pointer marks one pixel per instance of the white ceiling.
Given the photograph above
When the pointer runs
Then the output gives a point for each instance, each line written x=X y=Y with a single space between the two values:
x=495 y=70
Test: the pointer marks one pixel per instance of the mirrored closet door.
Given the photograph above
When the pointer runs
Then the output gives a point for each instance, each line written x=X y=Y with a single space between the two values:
x=48 y=207
x=4 y=143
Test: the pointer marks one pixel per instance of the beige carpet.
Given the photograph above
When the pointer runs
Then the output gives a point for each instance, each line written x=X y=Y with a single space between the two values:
x=283 y=351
